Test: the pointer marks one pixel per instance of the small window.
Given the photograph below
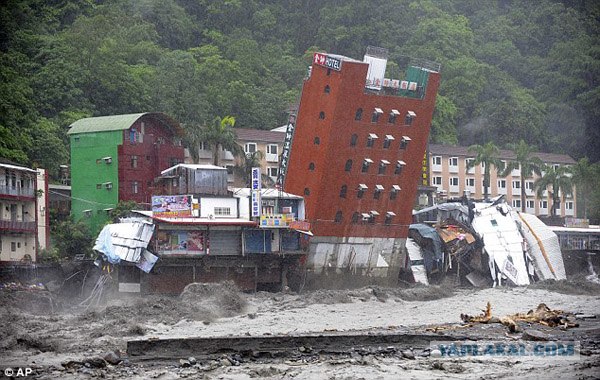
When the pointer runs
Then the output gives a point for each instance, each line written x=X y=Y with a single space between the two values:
x=365 y=165
x=98 y=186
x=272 y=171
x=135 y=187
x=306 y=191
x=393 y=116
x=327 y=89
x=360 y=192
x=272 y=149
x=393 y=194
x=388 y=141
x=338 y=217
x=377 y=192
x=437 y=160
x=134 y=161
x=388 y=217
x=353 y=140
x=343 y=191
x=328 y=72
x=222 y=211
x=382 y=166
x=375 y=116
x=250 y=148
x=317 y=140
x=321 y=115
x=311 y=166
x=348 y=166
x=453 y=181
x=410 y=116
x=358 y=115
x=404 y=142
x=371 y=140
x=355 y=217
x=399 y=167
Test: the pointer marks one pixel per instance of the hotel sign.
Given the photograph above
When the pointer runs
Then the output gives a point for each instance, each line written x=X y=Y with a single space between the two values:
x=255 y=189
x=327 y=61
x=285 y=154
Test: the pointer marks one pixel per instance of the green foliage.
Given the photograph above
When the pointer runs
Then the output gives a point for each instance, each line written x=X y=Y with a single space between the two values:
x=488 y=156
x=557 y=181
x=526 y=163
x=123 y=210
x=72 y=239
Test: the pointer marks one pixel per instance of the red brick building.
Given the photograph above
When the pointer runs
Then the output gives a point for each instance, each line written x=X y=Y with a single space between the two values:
x=357 y=155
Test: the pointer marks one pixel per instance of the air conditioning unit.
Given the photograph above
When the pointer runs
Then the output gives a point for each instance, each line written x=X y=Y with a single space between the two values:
x=108 y=185
x=107 y=160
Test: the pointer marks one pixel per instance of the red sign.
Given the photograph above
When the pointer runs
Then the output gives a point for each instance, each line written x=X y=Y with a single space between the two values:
x=299 y=225
x=327 y=61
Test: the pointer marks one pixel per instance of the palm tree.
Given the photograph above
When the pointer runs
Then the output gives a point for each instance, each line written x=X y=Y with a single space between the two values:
x=559 y=180
x=527 y=162
x=244 y=169
x=487 y=155
x=219 y=135
x=583 y=176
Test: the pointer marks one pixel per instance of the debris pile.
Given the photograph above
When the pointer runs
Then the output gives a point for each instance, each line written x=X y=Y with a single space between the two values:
x=483 y=243
x=542 y=315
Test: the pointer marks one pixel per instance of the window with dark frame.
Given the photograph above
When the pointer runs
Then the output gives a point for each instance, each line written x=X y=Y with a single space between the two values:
x=365 y=166
x=327 y=89
x=317 y=140
x=321 y=115
x=348 y=166
x=338 y=216
x=399 y=167
x=375 y=116
x=306 y=191
x=355 y=217
x=353 y=139
x=134 y=161
x=358 y=115
x=311 y=166
x=343 y=191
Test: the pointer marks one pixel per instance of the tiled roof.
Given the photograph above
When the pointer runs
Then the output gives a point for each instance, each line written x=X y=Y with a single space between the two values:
x=247 y=134
x=454 y=150
x=118 y=122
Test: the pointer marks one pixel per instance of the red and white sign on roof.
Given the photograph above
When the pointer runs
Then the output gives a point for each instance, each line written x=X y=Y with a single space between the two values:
x=327 y=61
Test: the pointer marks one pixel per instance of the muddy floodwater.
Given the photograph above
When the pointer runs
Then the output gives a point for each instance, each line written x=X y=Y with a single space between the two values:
x=57 y=338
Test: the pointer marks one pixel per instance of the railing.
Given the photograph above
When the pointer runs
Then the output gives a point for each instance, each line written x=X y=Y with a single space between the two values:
x=11 y=225
x=16 y=191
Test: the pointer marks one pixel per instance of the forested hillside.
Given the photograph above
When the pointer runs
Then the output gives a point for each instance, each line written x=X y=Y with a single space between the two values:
x=510 y=69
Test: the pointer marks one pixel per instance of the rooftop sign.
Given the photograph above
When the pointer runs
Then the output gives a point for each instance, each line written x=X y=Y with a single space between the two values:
x=327 y=61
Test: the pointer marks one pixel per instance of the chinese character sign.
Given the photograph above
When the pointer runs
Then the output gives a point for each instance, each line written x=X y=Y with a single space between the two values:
x=255 y=192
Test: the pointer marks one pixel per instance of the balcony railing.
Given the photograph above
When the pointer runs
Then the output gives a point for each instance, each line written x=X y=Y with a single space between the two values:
x=10 y=225
x=16 y=191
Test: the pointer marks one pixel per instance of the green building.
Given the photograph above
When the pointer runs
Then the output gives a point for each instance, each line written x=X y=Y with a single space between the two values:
x=116 y=158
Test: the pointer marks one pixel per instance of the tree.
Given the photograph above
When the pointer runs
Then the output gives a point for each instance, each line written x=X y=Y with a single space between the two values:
x=72 y=238
x=244 y=169
x=219 y=135
x=487 y=155
x=123 y=210
x=527 y=162
x=559 y=180
x=584 y=178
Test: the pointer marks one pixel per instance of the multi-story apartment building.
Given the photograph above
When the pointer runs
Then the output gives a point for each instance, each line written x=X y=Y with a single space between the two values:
x=116 y=158
x=449 y=174
x=269 y=143
x=18 y=213
x=356 y=157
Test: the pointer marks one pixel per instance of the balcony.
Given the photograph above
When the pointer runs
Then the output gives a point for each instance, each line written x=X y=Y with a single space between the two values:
x=16 y=191
x=10 y=225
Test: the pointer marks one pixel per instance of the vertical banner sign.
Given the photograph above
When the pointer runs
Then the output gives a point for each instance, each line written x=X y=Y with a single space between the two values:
x=285 y=154
x=425 y=170
x=255 y=192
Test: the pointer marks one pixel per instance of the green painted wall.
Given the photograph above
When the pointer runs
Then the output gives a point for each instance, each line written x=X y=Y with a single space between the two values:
x=88 y=170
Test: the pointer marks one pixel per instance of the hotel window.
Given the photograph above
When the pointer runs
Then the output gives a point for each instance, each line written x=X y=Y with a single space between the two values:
x=360 y=192
x=135 y=187
x=453 y=181
x=388 y=140
x=343 y=191
x=469 y=182
x=306 y=191
x=348 y=166
x=321 y=115
x=530 y=204
x=383 y=165
x=134 y=161
x=376 y=113
x=317 y=140
x=273 y=148
x=394 y=192
x=311 y=166
x=410 y=115
x=338 y=217
x=437 y=180
x=569 y=205
x=436 y=160
x=358 y=114
x=502 y=184
x=373 y=214
x=399 y=167
x=327 y=89
x=516 y=184
x=371 y=140
x=393 y=116
x=469 y=165
x=516 y=203
x=365 y=166
x=272 y=171
x=378 y=191
x=404 y=142
x=389 y=216
x=355 y=217
x=543 y=204
x=353 y=140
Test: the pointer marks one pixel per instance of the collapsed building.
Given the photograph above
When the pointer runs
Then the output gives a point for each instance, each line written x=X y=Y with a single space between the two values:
x=482 y=243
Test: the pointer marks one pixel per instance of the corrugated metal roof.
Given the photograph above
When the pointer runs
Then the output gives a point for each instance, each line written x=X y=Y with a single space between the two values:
x=454 y=150
x=118 y=122
x=15 y=167
x=247 y=134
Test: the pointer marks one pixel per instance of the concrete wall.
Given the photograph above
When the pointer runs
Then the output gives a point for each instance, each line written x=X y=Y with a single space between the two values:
x=207 y=207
